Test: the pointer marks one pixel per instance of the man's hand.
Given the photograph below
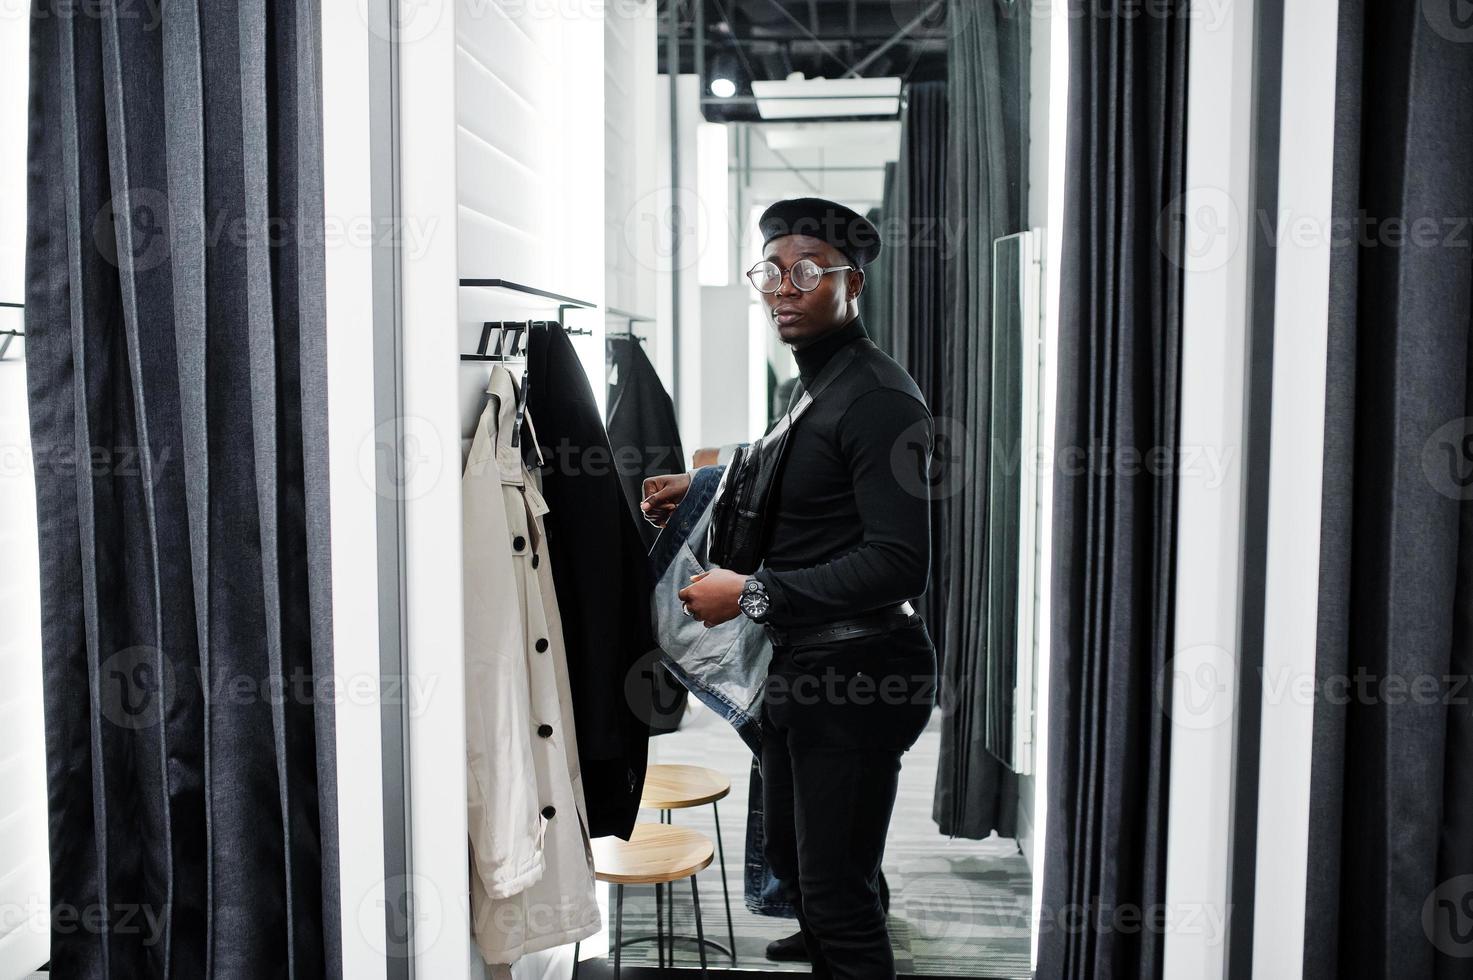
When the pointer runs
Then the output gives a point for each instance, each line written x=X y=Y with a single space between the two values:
x=662 y=494
x=712 y=596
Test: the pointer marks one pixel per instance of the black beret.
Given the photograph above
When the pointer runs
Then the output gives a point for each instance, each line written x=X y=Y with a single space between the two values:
x=845 y=229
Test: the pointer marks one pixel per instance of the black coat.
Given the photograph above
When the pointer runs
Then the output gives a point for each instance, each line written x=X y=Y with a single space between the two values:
x=646 y=441
x=603 y=583
x=642 y=426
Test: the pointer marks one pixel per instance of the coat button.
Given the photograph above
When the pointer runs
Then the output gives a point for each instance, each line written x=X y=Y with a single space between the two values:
x=518 y=543
x=542 y=645
x=536 y=559
x=549 y=811
x=544 y=730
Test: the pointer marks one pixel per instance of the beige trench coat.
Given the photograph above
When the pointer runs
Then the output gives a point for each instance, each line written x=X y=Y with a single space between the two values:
x=532 y=884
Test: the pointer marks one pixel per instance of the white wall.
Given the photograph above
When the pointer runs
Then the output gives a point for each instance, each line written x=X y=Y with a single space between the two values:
x=1296 y=458
x=687 y=262
x=726 y=387
x=1048 y=118
x=25 y=894
x=346 y=201
x=527 y=191
x=1204 y=664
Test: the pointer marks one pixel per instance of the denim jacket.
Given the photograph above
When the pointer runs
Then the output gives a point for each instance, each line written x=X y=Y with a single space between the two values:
x=725 y=666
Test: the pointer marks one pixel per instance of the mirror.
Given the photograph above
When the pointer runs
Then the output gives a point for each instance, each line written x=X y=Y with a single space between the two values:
x=1013 y=498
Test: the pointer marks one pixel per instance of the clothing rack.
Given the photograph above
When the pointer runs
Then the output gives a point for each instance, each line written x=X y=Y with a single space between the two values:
x=519 y=330
x=10 y=335
x=631 y=319
x=515 y=352
x=565 y=303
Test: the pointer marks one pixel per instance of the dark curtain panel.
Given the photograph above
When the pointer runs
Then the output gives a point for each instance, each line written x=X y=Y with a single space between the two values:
x=875 y=304
x=176 y=372
x=987 y=99
x=914 y=283
x=1390 y=871
x=1114 y=527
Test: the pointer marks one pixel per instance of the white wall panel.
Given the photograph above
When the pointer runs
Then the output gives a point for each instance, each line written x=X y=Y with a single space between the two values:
x=1204 y=664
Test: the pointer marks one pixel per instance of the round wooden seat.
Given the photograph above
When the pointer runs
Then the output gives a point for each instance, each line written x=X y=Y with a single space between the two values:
x=654 y=854
x=673 y=787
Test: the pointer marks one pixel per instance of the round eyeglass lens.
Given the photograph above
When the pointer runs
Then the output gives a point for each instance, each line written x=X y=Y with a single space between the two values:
x=806 y=274
x=765 y=277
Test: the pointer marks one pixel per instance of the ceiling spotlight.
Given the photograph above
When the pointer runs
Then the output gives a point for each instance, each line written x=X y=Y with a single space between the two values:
x=723 y=88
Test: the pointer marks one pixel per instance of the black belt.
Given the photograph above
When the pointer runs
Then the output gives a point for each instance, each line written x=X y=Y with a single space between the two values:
x=870 y=624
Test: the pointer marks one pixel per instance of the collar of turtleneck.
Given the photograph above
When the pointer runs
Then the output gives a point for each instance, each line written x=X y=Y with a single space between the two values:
x=812 y=358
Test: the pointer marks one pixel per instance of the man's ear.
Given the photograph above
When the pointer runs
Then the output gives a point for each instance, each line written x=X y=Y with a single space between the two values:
x=856 y=283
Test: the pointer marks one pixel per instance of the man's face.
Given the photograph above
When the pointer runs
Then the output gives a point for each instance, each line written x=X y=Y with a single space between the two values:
x=801 y=318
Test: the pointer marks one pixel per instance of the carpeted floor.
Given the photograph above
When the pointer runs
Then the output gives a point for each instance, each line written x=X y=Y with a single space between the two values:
x=959 y=908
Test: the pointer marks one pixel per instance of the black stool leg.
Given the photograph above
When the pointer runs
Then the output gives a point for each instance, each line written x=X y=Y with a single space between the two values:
x=618 y=927
x=725 y=892
x=660 y=926
x=695 y=899
x=575 y=959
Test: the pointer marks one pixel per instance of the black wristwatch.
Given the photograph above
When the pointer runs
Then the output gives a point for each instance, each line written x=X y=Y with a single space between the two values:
x=754 y=601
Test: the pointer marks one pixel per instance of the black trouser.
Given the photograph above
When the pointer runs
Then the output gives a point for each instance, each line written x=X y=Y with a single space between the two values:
x=836 y=718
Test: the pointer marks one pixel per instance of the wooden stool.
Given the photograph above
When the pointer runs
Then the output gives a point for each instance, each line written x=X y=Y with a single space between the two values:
x=677 y=787
x=655 y=854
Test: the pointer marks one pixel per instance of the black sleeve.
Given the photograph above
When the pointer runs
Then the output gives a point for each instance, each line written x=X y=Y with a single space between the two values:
x=886 y=437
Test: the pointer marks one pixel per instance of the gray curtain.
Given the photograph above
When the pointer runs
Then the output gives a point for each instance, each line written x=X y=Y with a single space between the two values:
x=175 y=364
x=984 y=192
x=1115 y=527
x=914 y=282
x=1390 y=871
x=875 y=305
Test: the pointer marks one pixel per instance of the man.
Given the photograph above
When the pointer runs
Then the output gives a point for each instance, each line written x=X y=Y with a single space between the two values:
x=852 y=679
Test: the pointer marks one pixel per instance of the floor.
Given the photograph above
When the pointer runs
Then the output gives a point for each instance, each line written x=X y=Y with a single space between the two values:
x=959 y=908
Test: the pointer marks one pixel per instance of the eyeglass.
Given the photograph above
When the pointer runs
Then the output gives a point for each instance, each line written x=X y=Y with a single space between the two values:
x=805 y=275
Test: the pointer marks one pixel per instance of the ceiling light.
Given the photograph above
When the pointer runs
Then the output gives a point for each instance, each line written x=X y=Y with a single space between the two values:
x=800 y=98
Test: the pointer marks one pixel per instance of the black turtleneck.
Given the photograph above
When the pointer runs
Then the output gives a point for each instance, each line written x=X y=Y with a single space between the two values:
x=851 y=529
x=812 y=358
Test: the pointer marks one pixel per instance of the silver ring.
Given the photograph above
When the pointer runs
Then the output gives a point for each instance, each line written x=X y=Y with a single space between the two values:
x=686 y=609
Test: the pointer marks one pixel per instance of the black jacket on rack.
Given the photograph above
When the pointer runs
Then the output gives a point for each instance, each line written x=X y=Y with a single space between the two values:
x=642 y=425
x=646 y=441
x=603 y=584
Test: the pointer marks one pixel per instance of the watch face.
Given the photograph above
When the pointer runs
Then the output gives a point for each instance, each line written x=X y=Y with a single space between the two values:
x=753 y=601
